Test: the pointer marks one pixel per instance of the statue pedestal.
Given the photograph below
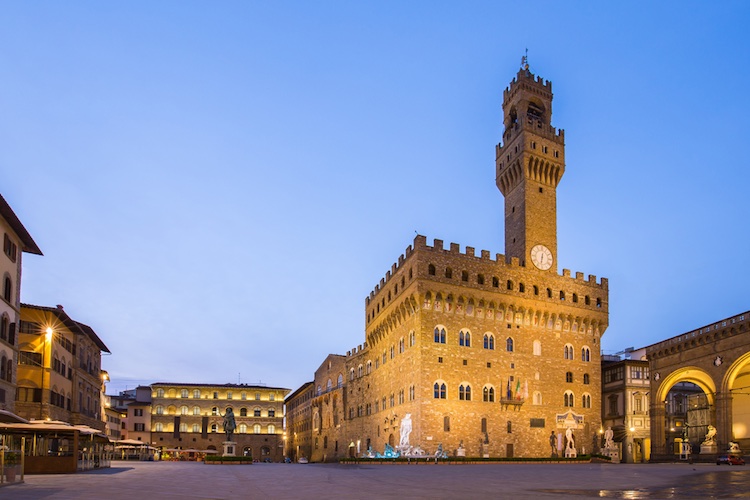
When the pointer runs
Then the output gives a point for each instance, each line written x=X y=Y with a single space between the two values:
x=485 y=450
x=613 y=454
x=570 y=453
x=709 y=449
x=461 y=452
x=230 y=449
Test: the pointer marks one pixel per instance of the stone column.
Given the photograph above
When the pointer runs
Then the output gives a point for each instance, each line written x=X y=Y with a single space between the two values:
x=658 y=414
x=723 y=420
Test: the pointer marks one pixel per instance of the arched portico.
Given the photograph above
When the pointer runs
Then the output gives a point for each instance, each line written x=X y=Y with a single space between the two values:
x=716 y=358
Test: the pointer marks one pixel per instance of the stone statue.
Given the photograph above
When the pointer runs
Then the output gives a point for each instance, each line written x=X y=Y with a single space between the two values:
x=734 y=447
x=569 y=442
x=229 y=423
x=608 y=435
x=710 y=436
x=405 y=431
x=553 y=443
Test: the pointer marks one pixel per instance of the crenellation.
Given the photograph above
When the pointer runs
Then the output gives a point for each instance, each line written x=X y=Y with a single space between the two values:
x=579 y=276
x=566 y=273
x=470 y=251
x=592 y=279
x=455 y=248
x=485 y=255
x=438 y=244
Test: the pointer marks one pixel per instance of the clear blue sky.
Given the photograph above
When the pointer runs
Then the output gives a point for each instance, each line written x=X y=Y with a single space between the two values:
x=217 y=186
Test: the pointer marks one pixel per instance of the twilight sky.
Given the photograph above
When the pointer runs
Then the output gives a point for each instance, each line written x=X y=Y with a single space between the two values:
x=217 y=186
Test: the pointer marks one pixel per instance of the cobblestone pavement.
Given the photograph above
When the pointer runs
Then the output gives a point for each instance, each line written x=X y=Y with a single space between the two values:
x=191 y=480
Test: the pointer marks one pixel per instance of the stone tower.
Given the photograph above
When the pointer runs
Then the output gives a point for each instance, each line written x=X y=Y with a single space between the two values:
x=529 y=164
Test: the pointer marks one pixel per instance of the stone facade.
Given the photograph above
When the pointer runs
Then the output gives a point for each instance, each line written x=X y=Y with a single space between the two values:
x=190 y=416
x=492 y=352
x=16 y=242
x=625 y=404
x=299 y=422
x=59 y=370
x=716 y=358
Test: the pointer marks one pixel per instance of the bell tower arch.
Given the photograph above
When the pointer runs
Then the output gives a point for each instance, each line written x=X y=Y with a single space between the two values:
x=529 y=164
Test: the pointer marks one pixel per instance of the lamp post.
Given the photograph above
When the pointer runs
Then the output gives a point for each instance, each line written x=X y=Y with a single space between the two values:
x=47 y=337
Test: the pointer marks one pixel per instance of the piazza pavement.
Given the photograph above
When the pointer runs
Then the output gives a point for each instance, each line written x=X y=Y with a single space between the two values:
x=196 y=480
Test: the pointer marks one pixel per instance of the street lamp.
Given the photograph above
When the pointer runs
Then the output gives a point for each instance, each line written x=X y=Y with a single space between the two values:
x=47 y=337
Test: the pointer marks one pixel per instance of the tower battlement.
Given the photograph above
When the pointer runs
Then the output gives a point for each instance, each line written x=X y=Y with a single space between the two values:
x=525 y=80
x=454 y=253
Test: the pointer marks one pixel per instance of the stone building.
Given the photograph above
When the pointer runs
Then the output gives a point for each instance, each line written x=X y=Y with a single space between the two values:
x=716 y=359
x=16 y=241
x=190 y=416
x=491 y=353
x=59 y=368
x=625 y=403
x=299 y=421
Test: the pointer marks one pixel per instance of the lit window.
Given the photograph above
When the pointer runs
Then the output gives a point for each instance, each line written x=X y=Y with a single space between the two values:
x=256 y=412
x=160 y=410
x=256 y=429
x=159 y=427
x=196 y=410
x=243 y=428
x=271 y=429
x=184 y=393
x=184 y=410
x=196 y=428
x=197 y=394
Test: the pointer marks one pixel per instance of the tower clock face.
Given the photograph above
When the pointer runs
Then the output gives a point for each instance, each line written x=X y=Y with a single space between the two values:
x=541 y=257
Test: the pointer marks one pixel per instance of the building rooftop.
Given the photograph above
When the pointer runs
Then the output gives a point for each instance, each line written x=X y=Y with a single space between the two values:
x=29 y=246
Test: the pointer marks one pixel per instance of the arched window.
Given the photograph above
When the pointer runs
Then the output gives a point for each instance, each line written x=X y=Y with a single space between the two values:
x=215 y=410
x=214 y=428
x=256 y=412
x=196 y=394
x=159 y=427
x=196 y=428
x=569 y=399
x=256 y=429
x=271 y=429
x=329 y=385
x=495 y=282
x=4 y=327
x=7 y=290
x=3 y=362
x=464 y=392
x=536 y=290
x=575 y=298
x=586 y=379
x=184 y=410
x=585 y=354
x=159 y=410
x=196 y=410
x=569 y=377
x=568 y=352
x=412 y=339
x=464 y=338
x=351 y=373
x=509 y=285
x=521 y=288
x=243 y=412
x=537 y=348
x=549 y=293
x=509 y=344
x=439 y=335
x=488 y=394
x=243 y=428
x=509 y=426
x=448 y=272
x=183 y=427
x=586 y=400
x=439 y=391
x=340 y=380
x=184 y=393
x=489 y=341
x=562 y=295
x=431 y=270
x=159 y=393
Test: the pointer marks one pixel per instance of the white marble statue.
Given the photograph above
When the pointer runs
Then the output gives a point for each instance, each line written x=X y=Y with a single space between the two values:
x=405 y=431
x=734 y=447
x=710 y=436
x=570 y=444
x=608 y=438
